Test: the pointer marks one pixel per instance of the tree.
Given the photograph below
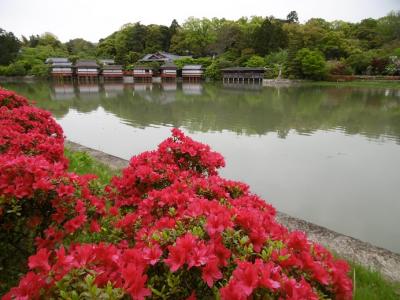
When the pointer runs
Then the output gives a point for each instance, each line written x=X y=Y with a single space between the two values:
x=195 y=36
x=174 y=27
x=213 y=71
x=313 y=64
x=9 y=47
x=49 y=39
x=292 y=17
x=367 y=32
x=255 y=61
x=33 y=41
x=269 y=37
x=295 y=36
x=153 y=39
x=228 y=38
x=81 y=48
x=359 y=61
x=389 y=26
x=106 y=47
x=334 y=45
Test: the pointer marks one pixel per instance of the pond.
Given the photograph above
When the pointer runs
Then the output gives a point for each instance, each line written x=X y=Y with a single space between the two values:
x=326 y=154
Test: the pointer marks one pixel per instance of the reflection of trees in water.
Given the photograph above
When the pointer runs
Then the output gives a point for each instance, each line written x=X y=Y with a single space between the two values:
x=366 y=111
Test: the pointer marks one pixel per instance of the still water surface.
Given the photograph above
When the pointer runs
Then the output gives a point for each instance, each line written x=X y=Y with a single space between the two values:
x=329 y=155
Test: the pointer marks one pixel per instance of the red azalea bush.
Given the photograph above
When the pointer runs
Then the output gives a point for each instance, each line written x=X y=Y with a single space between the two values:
x=168 y=227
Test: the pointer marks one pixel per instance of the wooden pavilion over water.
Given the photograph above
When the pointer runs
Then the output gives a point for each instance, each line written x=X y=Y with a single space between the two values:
x=168 y=71
x=192 y=72
x=60 y=67
x=243 y=75
x=112 y=71
x=143 y=73
x=87 y=69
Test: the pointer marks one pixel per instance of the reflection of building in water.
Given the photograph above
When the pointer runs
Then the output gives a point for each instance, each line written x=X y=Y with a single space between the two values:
x=144 y=90
x=242 y=86
x=63 y=92
x=169 y=86
x=192 y=88
x=112 y=90
x=89 y=91
x=142 y=86
x=168 y=93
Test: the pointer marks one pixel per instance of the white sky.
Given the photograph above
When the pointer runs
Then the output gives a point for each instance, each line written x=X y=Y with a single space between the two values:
x=92 y=20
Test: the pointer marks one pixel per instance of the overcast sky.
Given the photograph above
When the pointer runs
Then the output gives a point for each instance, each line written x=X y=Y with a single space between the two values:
x=93 y=20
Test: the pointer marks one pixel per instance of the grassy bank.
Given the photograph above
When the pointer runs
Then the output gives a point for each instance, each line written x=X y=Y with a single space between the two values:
x=369 y=285
x=82 y=163
x=387 y=84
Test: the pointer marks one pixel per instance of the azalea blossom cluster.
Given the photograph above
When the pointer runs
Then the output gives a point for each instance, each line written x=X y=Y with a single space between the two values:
x=168 y=227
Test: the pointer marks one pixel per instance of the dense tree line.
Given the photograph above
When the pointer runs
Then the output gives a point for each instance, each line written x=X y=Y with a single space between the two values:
x=285 y=47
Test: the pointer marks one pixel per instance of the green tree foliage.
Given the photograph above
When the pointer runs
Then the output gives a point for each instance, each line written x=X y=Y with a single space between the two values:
x=255 y=61
x=81 y=48
x=194 y=37
x=359 y=61
x=33 y=41
x=9 y=47
x=49 y=39
x=389 y=26
x=269 y=37
x=312 y=64
x=292 y=17
x=367 y=32
x=275 y=63
x=213 y=71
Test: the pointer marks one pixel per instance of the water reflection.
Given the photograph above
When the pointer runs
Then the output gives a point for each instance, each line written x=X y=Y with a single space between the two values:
x=112 y=90
x=245 y=109
x=192 y=88
x=63 y=91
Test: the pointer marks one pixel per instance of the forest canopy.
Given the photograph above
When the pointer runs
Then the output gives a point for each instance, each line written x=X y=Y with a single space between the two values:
x=310 y=50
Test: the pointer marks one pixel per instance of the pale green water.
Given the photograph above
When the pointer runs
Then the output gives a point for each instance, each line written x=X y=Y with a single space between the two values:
x=328 y=155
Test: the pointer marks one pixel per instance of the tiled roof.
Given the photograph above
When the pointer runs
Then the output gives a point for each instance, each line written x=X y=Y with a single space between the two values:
x=169 y=65
x=112 y=67
x=162 y=56
x=57 y=60
x=86 y=63
x=192 y=67
x=244 y=69
x=142 y=68
x=107 y=61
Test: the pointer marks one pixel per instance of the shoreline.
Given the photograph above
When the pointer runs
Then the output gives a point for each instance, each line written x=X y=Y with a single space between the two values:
x=283 y=82
x=376 y=258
